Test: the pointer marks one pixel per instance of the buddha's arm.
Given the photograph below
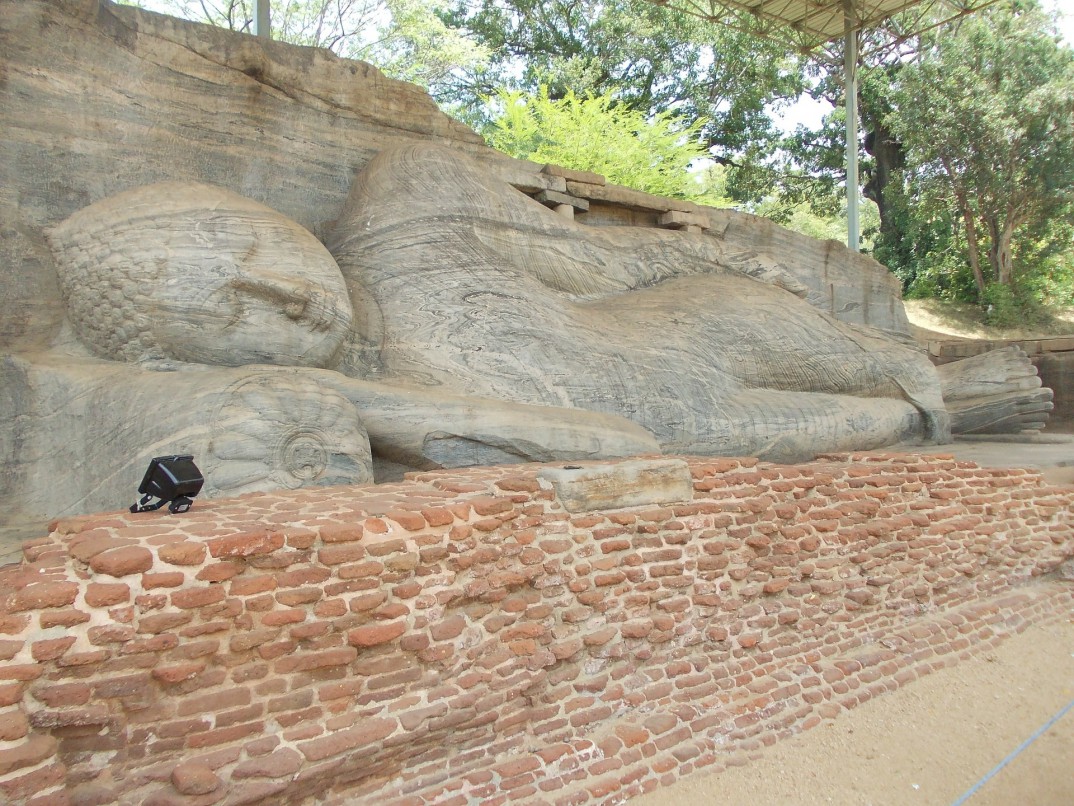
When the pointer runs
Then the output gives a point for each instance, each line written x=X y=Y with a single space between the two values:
x=423 y=427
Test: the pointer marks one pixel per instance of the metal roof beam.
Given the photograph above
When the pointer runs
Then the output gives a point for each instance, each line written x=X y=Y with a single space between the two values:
x=262 y=18
x=807 y=25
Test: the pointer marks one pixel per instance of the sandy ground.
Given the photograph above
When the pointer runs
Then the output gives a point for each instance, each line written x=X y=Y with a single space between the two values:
x=927 y=744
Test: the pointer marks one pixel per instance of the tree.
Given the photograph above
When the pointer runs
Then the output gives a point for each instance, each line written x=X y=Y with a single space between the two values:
x=651 y=59
x=649 y=153
x=340 y=25
x=987 y=112
x=404 y=38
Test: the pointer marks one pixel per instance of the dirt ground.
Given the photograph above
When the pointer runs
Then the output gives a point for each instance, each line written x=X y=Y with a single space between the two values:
x=927 y=744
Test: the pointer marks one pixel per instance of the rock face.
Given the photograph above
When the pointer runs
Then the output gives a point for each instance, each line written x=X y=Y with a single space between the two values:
x=167 y=191
x=466 y=285
x=99 y=98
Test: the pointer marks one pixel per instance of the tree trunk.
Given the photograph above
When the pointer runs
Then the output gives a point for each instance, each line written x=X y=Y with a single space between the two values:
x=999 y=253
x=888 y=156
x=972 y=243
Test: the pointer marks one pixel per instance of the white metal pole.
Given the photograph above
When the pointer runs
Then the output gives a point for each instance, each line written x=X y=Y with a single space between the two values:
x=850 y=73
x=261 y=19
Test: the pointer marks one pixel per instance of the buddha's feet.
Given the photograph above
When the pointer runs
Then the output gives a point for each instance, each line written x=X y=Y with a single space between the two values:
x=998 y=392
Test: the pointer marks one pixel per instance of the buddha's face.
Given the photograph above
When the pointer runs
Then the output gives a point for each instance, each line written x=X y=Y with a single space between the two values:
x=282 y=302
x=196 y=273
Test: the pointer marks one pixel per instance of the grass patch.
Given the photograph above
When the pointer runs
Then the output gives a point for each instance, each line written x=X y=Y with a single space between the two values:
x=963 y=320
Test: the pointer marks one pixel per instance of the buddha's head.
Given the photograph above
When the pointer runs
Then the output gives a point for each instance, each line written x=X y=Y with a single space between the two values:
x=196 y=273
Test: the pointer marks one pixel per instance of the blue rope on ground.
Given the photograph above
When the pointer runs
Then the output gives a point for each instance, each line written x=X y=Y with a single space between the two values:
x=1013 y=755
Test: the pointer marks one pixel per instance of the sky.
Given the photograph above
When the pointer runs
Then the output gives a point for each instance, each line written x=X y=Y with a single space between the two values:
x=1066 y=21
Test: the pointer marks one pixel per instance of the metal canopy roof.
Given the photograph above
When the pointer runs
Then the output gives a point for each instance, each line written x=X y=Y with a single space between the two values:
x=808 y=24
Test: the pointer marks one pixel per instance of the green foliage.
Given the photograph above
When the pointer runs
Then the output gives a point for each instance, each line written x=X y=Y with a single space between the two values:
x=925 y=246
x=986 y=114
x=407 y=39
x=599 y=134
x=335 y=24
x=651 y=59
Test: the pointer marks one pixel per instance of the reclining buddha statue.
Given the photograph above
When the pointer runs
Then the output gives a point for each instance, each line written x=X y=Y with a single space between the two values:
x=450 y=321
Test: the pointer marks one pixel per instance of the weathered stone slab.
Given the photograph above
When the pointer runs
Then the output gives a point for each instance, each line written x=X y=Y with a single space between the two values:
x=551 y=198
x=640 y=482
x=573 y=175
x=632 y=199
x=676 y=219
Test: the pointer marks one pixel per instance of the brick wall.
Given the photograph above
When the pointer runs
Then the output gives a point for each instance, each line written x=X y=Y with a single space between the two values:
x=460 y=637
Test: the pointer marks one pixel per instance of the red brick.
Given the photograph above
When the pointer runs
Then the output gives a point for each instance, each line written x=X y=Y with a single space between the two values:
x=218 y=572
x=225 y=735
x=50 y=649
x=63 y=694
x=332 y=608
x=487 y=505
x=103 y=594
x=122 y=561
x=20 y=671
x=281 y=764
x=316 y=660
x=234 y=697
x=411 y=521
x=280 y=617
x=774 y=586
x=20 y=788
x=13 y=625
x=178 y=672
x=243 y=641
x=91 y=715
x=637 y=629
x=632 y=735
x=302 y=576
x=41 y=595
x=599 y=637
x=151 y=601
x=247 y=544
x=86 y=547
x=110 y=634
x=368 y=732
x=340 y=553
x=312 y=630
x=375 y=526
x=13 y=726
x=450 y=627
x=369 y=568
x=374 y=634
x=246 y=586
x=33 y=751
x=299 y=537
x=438 y=516
x=184 y=553
x=198 y=597
x=167 y=579
x=260 y=747
x=279 y=649
x=298 y=596
x=193 y=778
x=341 y=533
x=121 y=686
x=196 y=649
x=161 y=622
